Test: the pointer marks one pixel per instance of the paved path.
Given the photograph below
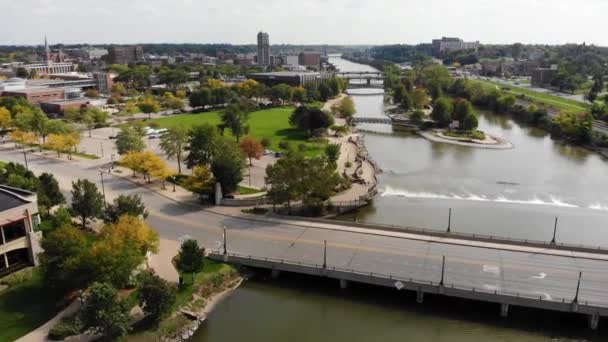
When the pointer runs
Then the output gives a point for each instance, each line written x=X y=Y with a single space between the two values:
x=41 y=333
x=528 y=272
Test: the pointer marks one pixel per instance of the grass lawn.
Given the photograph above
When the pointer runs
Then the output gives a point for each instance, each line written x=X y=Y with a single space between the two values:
x=243 y=190
x=548 y=99
x=270 y=123
x=25 y=307
x=2 y=164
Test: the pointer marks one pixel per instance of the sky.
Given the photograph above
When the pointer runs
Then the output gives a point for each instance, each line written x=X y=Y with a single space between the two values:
x=347 y=22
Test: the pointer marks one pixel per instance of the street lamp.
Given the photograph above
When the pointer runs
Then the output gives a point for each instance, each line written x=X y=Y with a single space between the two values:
x=225 y=247
x=442 y=271
x=578 y=287
x=103 y=189
x=554 y=231
x=324 y=253
x=25 y=158
x=450 y=221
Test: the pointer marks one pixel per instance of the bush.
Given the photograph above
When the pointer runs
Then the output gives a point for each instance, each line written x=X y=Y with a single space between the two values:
x=18 y=277
x=266 y=142
x=284 y=145
x=478 y=135
x=302 y=147
x=68 y=326
x=348 y=164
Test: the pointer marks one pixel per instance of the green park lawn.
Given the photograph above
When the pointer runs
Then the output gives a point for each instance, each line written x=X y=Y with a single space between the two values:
x=270 y=123
x=25 y=307
x=547 y=99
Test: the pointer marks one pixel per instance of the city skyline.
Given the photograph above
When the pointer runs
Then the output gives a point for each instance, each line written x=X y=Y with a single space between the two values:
x=339 y=22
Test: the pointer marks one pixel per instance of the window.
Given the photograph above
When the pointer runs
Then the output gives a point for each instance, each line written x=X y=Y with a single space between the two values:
x=14 y=231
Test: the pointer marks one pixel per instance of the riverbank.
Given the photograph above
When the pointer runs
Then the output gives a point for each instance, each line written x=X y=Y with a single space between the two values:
x=490 y=142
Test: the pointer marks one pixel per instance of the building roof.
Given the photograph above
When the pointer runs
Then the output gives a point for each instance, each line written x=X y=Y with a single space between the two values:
x=11 y=198
x=35 y=90
x=79 y=101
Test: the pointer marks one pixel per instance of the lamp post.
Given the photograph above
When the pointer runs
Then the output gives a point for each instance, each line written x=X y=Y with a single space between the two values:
x=442 y=271
x=324 y=253
x=450 y=221
x=578 y=287
x=103 y=189
x=225 y=247
x=554 y=231
x=25 y=159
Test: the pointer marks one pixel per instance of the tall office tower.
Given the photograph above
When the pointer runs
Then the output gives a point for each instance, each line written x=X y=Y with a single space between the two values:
x=263 y=49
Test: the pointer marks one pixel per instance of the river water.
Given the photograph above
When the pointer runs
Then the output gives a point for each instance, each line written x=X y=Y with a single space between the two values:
x=512 y=193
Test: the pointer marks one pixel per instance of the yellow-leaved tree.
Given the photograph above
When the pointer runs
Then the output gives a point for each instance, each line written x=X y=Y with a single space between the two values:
x=5 y=118
x=22 y=138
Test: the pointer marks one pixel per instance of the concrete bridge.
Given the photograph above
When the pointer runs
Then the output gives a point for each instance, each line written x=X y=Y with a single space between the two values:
x=390 y=120
x=367 y=85
x=533 y=274
x=358 y=73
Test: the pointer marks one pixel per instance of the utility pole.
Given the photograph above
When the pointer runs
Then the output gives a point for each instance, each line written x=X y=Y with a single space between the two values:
x=101 y=144
x=103 y=189
x=578 y=287
x=554 y=231
x=450 y=221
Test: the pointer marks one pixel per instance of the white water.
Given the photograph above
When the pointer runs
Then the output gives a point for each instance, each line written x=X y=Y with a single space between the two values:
x=552 y=201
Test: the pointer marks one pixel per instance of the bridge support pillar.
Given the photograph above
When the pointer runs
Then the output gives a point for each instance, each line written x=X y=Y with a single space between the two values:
x=594 y=321
x=419 y=296
x=504 y=310
x=343 y=284
x=274 y=274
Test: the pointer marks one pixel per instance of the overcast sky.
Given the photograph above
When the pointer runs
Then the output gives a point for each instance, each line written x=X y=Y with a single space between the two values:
x=303 y=21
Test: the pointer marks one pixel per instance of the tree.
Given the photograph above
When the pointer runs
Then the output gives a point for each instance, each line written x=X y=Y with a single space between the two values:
x=462 y=109
x=346 y=109
x=420 y=98
x=105 y=312
x=436 y=79
x=129 y=140
x=148 y=106
x=227 y=167
x=575 y=126
x=146 y=163
x=16 y=175
x=22 y=72
x=201 y=98
x=399 y=92
x=203 y=144
x=121 y=247
x=235 y=118
x=470 y=122
x=49 y=194
x=156 y=296
x=64 y=264
x=5 y=118
x=299 y=94
x=332 y=152
x=252 y=148
x=22 y=138
x=87 y=202
x=266 y=143
x=310 y=119
x=173 y=143
x=131 y=205
x=417 y=117
x=191 y=258
x=281 y=92
x=442 y=111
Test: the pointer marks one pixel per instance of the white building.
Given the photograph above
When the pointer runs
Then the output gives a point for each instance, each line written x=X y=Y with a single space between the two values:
x=50 y=68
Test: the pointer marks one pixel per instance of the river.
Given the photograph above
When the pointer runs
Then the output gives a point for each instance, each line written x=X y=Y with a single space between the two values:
x=512 y=193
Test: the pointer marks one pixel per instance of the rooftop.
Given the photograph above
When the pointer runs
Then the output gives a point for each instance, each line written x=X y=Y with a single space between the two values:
x=11 y=198
x=35 y=90
x=284 y=73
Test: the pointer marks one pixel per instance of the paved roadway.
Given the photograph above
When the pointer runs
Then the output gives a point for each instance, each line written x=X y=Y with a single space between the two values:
x=534 y=274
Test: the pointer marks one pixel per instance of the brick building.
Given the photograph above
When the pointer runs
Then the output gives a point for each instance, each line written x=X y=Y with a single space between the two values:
x=125 y=54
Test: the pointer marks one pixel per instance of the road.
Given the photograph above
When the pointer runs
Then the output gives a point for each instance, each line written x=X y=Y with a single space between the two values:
x=536 y=273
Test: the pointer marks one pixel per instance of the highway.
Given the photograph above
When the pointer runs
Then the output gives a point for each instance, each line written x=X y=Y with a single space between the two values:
x=535 y=272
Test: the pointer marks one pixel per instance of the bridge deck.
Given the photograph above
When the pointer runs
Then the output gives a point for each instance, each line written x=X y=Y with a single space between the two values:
x=537 y=278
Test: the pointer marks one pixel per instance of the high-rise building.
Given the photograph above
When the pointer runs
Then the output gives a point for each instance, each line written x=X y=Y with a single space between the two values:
x=263 y=49
x=125 y=54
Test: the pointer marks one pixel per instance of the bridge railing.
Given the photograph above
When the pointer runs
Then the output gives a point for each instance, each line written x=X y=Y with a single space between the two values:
x=591 y=306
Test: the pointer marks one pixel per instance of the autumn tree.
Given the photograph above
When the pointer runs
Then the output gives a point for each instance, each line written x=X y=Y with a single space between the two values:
x=199 y=181
x=121 y=247
x=148 y=105
x=252 y=148
x=131 y=205
x=5 y=118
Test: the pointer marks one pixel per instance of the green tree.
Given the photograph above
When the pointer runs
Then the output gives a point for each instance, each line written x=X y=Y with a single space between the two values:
x=462 y=109
x=281 y=92
x=105 y=312
x=310 y=118
x=203 y=144
x=332 y=152
x=131 y=205
x=173 y=142
x=470 y=122
x=235 y=118
x=191 y=258
x=156 y=296
x=87 y=202
x=399 y=92
x=442 y=111
x=65 y=262
x=49 y=194
x=22 y=72
x=227 y=167
x=346 y=108
x=201 y=98
x=129 y=140
x=417 y=117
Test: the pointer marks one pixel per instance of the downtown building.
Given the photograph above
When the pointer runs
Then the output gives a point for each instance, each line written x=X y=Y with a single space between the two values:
x=263 y=53
x=127 y=54
x=446 y=45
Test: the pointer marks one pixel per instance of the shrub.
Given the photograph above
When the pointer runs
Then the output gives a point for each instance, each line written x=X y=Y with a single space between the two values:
x=68 y=326
x=302 y=147
x=266 y=142
x=284 y=145
x=348 y=164
x=18 y=277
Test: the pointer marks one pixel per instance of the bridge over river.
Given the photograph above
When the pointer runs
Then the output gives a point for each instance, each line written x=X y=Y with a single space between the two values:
x=540 y=275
